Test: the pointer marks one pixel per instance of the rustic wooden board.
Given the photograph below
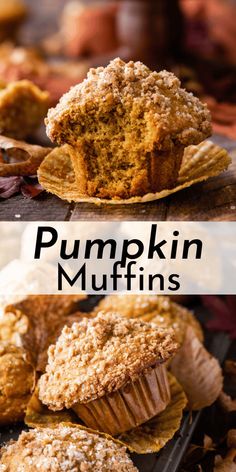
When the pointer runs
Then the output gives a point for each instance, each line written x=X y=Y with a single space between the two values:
x=214 y=200
x=45 y=207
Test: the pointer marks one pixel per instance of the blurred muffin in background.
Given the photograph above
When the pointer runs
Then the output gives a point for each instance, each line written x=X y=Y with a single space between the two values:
x=55 y=76
x=17 y=381
x=88 y=29
x=22 y=108
x=12 y=13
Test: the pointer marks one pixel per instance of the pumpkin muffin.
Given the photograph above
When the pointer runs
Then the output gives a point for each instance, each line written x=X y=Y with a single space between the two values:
x=128 y=128
x=110 y=370
x=22 y=108
x=37 y=321
x=65 y=448
x=17 y=381
x=153 y=308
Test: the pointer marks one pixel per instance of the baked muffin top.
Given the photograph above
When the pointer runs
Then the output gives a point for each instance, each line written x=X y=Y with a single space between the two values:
x=153 y=308
x=64 y=449
x=98 y=356
x=173 y=114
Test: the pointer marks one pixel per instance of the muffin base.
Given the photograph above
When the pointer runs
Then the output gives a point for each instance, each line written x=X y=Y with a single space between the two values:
x=200 y=162
x=153 y=172
x=130 y=406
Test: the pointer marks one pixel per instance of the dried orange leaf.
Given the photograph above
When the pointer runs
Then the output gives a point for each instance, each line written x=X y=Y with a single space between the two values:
x=198 y=372
x=24 y=159
x=231 y=438
x=227 y=402
x=38 y=415
x=228 y=464
x=56 y=174
x=153 y=435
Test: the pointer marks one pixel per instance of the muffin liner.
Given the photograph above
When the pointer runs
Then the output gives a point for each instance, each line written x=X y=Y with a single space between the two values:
x=148 y=438
x=130 y=406
x=200 y=162
x=198 y=372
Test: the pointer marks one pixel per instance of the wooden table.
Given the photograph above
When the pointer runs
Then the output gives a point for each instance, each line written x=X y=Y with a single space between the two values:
x=214 y=200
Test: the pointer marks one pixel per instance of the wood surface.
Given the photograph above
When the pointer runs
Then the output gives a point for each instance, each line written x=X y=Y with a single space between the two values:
x=214 y=200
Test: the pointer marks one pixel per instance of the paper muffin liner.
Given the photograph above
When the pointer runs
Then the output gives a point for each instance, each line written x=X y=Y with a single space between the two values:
x=200 y=162
x=203 y=389
x=147 y=438
x=130 y=406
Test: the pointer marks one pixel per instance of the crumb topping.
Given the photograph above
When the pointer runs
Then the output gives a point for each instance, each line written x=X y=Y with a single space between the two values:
x=173 y=114
x=155 y=308
x=100 y=355
x=64 y=449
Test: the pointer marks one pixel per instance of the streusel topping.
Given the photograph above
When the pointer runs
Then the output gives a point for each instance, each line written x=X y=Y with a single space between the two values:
x=98 y=356
x=155 y=308
x=64 y=449
x=176 y=114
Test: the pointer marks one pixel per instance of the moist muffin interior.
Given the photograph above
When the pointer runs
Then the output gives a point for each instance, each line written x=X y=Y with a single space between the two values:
x=122 y=122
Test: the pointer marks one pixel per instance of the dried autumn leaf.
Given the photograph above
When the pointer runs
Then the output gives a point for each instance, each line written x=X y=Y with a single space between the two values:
x=231 y=439
x=223 y=311
x=228 y=464
x=22 y=158
x=196 y=453
x=9 y=186
x=200 y=374
x=31 y=190
x=230 y=368
x=28 y=186
x=38 y=415
x=227 y=402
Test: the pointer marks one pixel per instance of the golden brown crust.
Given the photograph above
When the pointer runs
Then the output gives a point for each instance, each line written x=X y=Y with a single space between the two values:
x=129 y=127
x=22 y=108
x=17 y=381
x=100 y=355
x=65 y=448
x=153 y=308
x=174 y=114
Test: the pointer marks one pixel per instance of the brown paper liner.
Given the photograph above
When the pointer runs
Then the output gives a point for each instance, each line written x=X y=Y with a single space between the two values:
x=200 y=162
x=147 y=438
x=130 y=406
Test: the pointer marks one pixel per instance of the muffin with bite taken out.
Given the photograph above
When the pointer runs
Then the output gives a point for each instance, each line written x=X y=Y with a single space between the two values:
x=127 y=128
